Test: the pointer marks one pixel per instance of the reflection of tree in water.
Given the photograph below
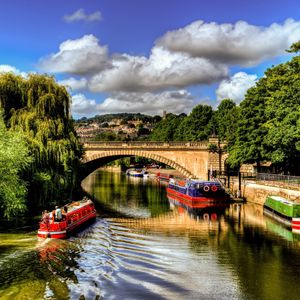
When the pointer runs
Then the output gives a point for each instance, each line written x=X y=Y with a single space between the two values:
x=264 y=264
x=34 y=273
x=115 y=190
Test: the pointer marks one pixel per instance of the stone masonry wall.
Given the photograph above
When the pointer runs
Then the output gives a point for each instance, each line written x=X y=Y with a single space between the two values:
x=257 y=193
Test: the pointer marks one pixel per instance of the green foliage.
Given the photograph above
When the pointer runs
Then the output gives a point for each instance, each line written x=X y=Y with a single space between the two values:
x=124 y=116
x=143 y=131
x=225 y=120
x=165 y=129
x=39 y=107
x=294 y=48
x=269 y=126
x=197 y=126
x=283 y=115
x=14 y=158
x=213 y=148
x=248 y=146
x=107 y=136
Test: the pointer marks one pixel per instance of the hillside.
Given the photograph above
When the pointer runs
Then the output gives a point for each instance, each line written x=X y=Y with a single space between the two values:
x=116 y=127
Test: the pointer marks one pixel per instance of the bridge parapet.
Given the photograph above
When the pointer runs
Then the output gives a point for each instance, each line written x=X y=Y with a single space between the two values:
x=192 y=159
x=146 y=145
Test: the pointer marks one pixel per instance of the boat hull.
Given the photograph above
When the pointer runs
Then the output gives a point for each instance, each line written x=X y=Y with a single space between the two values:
x=78 y=216
x=283 y=211
x=195 y=202
x=52 y=234
x=135 y=175
x=192 y=195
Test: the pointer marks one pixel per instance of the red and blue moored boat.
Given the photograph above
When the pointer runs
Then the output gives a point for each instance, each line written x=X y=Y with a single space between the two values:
x=75 y=215
x=194 y=193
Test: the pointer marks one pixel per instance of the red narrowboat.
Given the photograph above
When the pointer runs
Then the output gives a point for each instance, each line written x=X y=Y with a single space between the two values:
x=74 y=215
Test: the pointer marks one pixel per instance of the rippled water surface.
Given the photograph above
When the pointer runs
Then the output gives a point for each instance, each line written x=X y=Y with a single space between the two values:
x=143 y=246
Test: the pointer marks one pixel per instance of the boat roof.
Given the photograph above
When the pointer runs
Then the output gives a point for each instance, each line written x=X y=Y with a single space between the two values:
x=283 y=200
x=203 y=181
x=77 y=204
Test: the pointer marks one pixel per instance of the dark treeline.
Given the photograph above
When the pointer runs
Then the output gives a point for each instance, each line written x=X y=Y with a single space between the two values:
x=124 y=116
x=40 y=148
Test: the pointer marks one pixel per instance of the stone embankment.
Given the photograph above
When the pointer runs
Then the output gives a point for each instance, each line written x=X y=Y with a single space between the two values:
x=257 y=193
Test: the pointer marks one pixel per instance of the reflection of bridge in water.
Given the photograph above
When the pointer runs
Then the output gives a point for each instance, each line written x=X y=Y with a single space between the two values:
x=191 y=159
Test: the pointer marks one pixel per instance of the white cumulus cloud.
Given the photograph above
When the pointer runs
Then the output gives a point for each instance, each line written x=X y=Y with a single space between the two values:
x=163 y=69
x=80 y=15
x=80 y=56
x=122 y=72
x=236 y=86
x=74 y=84
x=82 y=106
x=239 y=43
x=149 y=103
x=11 y=69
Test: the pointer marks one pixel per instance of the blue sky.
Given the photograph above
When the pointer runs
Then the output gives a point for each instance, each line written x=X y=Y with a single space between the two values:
x=147 y=56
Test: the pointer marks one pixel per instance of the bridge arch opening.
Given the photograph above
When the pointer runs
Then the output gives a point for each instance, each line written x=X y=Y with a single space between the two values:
x=101 y=159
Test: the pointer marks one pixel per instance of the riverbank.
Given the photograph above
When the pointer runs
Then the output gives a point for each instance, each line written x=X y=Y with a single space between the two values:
x=251 y=191
x=257 y=193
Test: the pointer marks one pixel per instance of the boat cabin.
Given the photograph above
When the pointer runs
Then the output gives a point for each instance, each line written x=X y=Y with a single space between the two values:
x=197 y=188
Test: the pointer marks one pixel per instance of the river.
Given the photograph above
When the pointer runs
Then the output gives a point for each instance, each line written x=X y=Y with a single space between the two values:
x=144 y=247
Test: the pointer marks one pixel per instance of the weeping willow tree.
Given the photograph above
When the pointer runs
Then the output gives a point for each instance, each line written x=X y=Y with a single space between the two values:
x=40 y=108
x=14 y=158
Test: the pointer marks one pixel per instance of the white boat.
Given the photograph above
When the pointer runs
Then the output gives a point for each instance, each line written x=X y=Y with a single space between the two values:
x=137 y=172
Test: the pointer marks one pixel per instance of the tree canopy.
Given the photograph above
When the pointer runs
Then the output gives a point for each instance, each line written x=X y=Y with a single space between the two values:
x=225 y=120
x=269 y=125
x=40 y=108
x=165 y=129
x=14 y=158
x=197 y=125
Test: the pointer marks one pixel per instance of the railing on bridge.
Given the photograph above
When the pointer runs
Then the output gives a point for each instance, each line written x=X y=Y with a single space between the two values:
x=144 y=144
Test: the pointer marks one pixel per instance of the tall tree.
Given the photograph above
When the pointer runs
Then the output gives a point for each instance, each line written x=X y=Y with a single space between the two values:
x=249 y=143
x=14 y=158
x=269 y=126
x=40 y=108
x=225 y=119
x=283 y=115
x=165 y=129
x=197 y=126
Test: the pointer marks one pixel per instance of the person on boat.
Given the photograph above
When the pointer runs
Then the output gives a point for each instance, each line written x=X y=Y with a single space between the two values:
x=50 y=216
x=58 y=214
x=45 y=217
x=64 y=212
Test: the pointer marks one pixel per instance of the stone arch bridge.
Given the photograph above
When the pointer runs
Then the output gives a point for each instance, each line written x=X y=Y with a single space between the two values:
x=191 y=159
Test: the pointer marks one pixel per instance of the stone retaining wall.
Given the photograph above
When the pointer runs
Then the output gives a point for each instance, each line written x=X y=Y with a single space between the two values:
x=257 y=193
